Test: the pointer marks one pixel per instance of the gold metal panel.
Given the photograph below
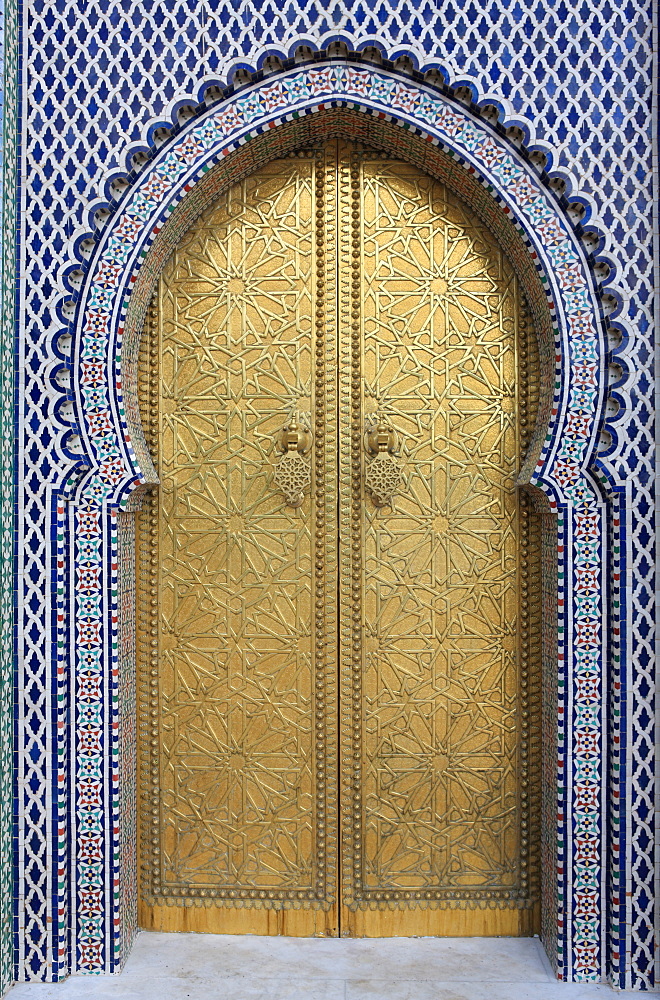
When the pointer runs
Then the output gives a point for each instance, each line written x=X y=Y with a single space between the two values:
x=398 y=456
x=435 y=719
x=239 y=710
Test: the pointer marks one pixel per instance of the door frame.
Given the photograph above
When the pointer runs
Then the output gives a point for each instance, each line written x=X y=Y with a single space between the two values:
x=94 y=610
x=320 y=176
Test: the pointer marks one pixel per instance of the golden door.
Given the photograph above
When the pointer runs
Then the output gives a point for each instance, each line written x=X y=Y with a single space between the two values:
x=338 y=582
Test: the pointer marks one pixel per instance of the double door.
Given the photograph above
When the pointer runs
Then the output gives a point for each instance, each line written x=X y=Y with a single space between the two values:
x=337 y=578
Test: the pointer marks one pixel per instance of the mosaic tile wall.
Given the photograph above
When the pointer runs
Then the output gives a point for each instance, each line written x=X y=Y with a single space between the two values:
x=96 y=84
x=174 y=186
x=8 y=108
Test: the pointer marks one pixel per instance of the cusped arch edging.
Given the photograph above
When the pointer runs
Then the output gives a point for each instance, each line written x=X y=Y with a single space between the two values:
x=221 y=144
x=112 y=302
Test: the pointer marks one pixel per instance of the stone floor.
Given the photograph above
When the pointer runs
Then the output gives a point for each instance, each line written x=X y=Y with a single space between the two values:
x=202 y=967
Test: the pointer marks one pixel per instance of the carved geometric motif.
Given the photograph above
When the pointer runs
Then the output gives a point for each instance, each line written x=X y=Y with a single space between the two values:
x=442 y=718
x=439 y=671
x=243 y=788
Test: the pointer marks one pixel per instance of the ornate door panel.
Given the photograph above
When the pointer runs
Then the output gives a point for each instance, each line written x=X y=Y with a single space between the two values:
x=332 y=378
x=239 y=587
x=435 y=708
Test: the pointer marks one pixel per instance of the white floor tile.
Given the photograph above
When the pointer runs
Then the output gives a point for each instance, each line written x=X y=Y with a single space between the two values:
x=208 y=967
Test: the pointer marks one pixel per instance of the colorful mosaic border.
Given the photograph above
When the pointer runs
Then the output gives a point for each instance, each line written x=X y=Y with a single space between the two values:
x=561 y=467
x=130 y=240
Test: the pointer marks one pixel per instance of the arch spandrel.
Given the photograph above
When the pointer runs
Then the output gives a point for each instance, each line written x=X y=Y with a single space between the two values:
x=268 y=120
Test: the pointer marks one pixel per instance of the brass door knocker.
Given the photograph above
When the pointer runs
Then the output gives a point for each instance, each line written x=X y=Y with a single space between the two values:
x=383 y=476
x=292 y=474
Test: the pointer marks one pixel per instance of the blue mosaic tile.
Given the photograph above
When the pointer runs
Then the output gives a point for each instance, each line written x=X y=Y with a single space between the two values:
x=577 y=80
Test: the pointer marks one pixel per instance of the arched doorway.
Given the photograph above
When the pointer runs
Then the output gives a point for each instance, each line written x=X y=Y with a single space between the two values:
x=339 y=581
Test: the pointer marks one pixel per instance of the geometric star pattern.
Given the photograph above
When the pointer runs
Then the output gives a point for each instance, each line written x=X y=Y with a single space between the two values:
x=442 y=725
x=236 y=663
x=441 y=708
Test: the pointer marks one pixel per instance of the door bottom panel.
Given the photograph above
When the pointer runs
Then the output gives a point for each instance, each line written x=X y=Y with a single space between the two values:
x=447 y=922
x=226 y=920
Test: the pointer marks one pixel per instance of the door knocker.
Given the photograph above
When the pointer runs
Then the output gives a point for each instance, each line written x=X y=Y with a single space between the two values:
x=383 y=476
x=292 y=474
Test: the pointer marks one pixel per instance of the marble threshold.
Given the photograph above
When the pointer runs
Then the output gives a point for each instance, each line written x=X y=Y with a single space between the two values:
x=210 y=967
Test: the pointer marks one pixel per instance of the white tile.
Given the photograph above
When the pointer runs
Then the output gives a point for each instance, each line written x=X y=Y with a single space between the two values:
x=217 y=967
x=397 y=958
x=142 y=987
x=434 y=990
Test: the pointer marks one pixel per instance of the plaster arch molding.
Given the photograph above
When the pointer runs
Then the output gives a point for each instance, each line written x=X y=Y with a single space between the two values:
x=210 y=151
x=266 y=120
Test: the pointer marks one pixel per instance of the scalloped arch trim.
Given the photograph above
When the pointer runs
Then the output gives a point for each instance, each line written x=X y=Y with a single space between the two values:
x=232 y=137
